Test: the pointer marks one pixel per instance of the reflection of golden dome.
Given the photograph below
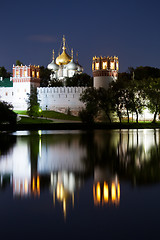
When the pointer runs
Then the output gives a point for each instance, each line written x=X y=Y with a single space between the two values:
x=63 y=59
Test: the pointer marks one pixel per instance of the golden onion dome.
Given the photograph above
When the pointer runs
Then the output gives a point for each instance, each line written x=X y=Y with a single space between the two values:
x=63 y=59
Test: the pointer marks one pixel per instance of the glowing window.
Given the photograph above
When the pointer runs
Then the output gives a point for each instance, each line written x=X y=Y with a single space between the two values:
x=112 y=65
x=92 y=66
x=25 y=73
x=37 y=74
x=33 y=74
x=97 y=66
x=17 y=72
x=104 y=65
x=117 y=66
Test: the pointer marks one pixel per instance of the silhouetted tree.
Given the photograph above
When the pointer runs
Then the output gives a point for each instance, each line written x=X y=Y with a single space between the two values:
x=79 y=80
x=44 y=76
x=4 y=73
x=33 y=103
x=19 y=63
x=6 y=113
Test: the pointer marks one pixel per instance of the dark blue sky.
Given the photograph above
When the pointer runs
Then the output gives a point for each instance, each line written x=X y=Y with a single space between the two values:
x=128 y=29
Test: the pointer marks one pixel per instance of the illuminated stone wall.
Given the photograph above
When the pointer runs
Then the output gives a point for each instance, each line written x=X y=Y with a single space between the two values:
x=54 y=98
x=60 y=98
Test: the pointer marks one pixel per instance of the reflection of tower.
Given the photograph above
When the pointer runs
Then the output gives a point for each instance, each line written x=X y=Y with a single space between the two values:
x=25 y=177
x=63 y=185
x=105 y=70
x=106 y=188
x=36 y=185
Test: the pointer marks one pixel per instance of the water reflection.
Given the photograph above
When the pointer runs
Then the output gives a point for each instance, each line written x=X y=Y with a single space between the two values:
x=106 y=188
x=62 y=162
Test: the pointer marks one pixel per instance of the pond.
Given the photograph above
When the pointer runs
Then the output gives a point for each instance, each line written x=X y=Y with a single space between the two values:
x=80 y=184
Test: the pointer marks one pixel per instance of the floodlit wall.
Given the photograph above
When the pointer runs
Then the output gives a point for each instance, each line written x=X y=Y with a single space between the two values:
x=54 y=98
x=60 y=98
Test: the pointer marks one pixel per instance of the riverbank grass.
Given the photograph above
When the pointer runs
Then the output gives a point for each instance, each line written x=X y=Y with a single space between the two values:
x=28 y=120
x=53 y=115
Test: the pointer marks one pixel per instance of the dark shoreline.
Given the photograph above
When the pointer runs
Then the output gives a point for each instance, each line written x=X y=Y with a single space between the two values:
x=77 y=126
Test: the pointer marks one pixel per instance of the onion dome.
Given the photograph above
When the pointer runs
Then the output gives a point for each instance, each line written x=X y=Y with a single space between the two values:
x=72 y=65
x=53 y=66
x=64 y=58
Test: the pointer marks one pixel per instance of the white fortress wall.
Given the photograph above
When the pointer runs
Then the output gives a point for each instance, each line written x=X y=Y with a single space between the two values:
x=6 y=94
x=60 y=98
x=51 y=98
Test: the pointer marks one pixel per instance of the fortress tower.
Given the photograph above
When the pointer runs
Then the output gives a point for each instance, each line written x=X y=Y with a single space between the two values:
x=24 y=77
x=105 y=70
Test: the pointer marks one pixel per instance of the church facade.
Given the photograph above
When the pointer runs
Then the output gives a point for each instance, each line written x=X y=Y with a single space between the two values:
x=64 y=65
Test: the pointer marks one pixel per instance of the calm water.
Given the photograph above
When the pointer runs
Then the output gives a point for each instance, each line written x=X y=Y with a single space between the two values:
x=78 y=185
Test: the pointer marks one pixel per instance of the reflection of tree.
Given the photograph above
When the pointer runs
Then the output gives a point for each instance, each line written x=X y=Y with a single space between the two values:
x=7 y=141
x=34 y=150
x=99 y=149
x=138 y=168
x=126 y=157
x=137 y=165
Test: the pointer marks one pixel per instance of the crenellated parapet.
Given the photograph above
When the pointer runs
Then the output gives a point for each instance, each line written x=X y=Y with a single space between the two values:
x=59 y=90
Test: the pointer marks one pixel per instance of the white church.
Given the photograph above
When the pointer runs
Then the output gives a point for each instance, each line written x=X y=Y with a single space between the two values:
x=64 y=65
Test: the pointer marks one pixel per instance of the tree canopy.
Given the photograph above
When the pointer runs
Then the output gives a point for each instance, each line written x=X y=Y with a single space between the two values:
x=79 y=80
x=7 y=115
x=4 y=73
x=19 y=63
x=44 y=76
x=134 y=90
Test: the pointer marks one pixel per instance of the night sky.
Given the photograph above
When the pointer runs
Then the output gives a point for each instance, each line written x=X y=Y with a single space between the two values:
x=125 y=28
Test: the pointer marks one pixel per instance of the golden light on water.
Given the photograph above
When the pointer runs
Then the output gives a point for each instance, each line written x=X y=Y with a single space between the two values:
x=113 y=192
x=105 y=192
x=38 y=185
x=33 y=184
x=118 y=191
x=26 y=186
x=98 y=191
x=64 y=207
